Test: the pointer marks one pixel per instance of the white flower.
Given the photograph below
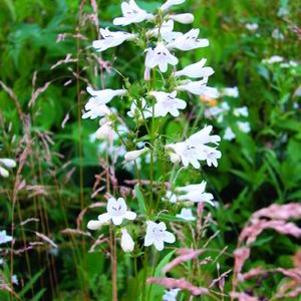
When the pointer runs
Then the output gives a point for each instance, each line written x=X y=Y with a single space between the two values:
x=96 y=106
x=169 y=3
x=170 y=196
x=8 y=163
x=171 y=295
x=133 y=155
x=116 y=211
x=186 y=214
x=166 y=27
x=15 y=280
x=167 y=103
x=203 y=137
x=182 y=18
x=211 y=155
x=229 y=134
x=244 y=126
x=195 y=193
x=132 y=13
x=199 y=88
x=160 y=56
x=1 y=261
x=243 y=111
x=111 y=39
x=166 y=31
x=156 y=235
x=4 y=238
x=105 y=131
x=289 y=64
x=196 y=70
x=95 y=109
x=127 y=243
x=252 y=26
x=144 y=112
x=106 y=95
x=230 y=92
x=194 y=149
x=273 y=59
x=277 y=34
x=188 y=41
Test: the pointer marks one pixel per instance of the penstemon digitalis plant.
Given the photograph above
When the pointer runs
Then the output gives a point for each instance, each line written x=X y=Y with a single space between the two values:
x=162 y=95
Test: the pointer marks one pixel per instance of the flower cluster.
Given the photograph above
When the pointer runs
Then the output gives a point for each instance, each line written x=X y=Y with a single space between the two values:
x=156 y=102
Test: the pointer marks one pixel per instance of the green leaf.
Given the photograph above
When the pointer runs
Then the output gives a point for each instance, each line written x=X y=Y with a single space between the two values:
x=30 y=283
x=140 y=197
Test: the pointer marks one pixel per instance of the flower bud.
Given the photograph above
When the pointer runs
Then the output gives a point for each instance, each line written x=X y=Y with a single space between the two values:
x=3 y=172
x=133 y=155
x=183 y=18
x=127 y=243
x=169 y=3
x=8 y=163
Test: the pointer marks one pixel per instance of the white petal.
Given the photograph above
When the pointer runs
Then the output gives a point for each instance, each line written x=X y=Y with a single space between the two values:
x=148 y=240
x=104 y=218
x=3 y=172
x=159 y=245
x=94 y=225
x=130 y=215
x=8 y=162
x=169 y=237
x=117 y=220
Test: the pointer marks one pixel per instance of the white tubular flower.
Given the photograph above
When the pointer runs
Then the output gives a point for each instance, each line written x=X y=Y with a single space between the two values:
x=169 y=3
x=156 y=235
x=194 y=149
x=166 y=27
x=105 y=131
x=4 y=238
x=132 y=13
x=106 y=95
x=3 y=172
x=199 y=88
x=171 y=295
x=170 y=196
x=186 y=214
x=167 y=103
x=116 y=211
x=188 y=41
x=160 y=56
x=186 y=153
x=133 y=155
x=211 y=155
x=273 y=59
x=96 y=106
x=229 y=134
x=111 y=39
x=203 y=137
x=136 y=112
x=196 y=70
x=195 y=193
x=166 y=31
x=127 y=243
x=8 y=163
x=244 y=126
x=251 y=26
x=243 y=111
x=230 y=92
x=182 y=18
